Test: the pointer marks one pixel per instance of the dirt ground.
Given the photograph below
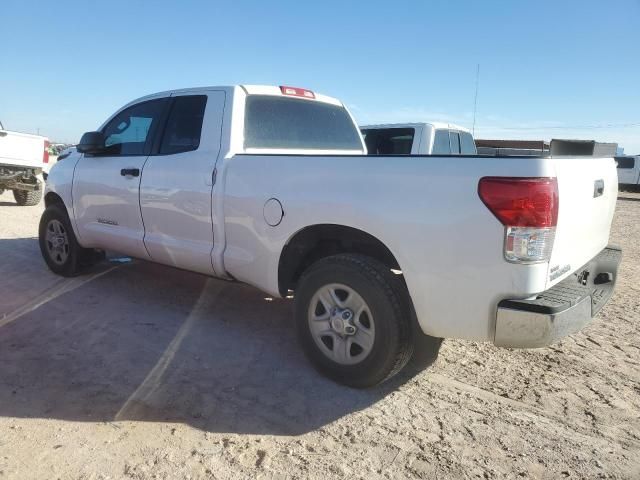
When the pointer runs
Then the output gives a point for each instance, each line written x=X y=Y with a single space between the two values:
x=138 y=371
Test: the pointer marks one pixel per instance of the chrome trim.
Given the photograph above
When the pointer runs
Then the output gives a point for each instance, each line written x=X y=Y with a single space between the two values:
x=525 y=329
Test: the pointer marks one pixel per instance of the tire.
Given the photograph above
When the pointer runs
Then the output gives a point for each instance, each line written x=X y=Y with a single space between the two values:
x=59 y=246
x=379 y=312
x=425 y=351
x=27 y=198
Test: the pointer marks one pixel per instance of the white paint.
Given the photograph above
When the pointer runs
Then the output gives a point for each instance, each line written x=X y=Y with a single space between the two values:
x=21 y=149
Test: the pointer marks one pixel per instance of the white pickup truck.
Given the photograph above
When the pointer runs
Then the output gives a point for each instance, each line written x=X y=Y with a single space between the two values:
x=433 y=138
x=628 y=171
x=271 y=186
x=22 y=159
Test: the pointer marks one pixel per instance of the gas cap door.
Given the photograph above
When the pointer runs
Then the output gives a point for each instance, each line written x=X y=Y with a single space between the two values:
x=273 y=212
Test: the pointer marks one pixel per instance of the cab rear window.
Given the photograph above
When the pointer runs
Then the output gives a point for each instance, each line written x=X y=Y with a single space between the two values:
x=288 y=123
x=388 y=141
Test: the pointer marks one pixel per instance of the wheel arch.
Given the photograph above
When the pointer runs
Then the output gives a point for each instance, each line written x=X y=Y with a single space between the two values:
x=52 y=198
x=314 y=242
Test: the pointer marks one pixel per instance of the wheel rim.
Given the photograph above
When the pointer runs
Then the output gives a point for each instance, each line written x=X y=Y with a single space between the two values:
x=57 y=242
x=341 y=324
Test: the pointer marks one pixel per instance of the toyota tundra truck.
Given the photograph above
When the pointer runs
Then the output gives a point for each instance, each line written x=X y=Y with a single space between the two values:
x=22 y=159
x=271 y=186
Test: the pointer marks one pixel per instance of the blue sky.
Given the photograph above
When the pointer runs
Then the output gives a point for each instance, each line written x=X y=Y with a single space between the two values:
x=548 y=69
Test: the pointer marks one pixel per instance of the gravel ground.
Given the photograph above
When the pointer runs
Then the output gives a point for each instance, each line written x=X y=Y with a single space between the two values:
x=141 y=371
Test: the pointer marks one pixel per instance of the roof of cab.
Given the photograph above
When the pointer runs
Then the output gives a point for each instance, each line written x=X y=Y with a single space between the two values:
x=248 y=89
x=435 y=125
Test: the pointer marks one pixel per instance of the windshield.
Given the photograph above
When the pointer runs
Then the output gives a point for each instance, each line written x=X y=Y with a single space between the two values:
x=287 y=123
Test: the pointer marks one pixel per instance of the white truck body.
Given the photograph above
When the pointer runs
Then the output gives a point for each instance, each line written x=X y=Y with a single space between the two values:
x=628 y=170
x=236 y=211
x=22 y=149
x=424 y=138
x=23 y=157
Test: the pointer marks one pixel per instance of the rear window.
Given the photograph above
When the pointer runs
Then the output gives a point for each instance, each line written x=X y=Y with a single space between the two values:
x=290 y=123
x=388 y=141
x=625 y=162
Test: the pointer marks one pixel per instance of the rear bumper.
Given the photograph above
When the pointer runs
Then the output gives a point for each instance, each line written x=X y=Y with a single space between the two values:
x=563 y=309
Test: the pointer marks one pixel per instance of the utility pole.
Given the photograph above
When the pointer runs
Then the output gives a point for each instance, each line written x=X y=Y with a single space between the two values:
x=475 y=101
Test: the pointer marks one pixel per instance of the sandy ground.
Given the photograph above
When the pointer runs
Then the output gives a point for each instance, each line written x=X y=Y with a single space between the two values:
x=141 y=371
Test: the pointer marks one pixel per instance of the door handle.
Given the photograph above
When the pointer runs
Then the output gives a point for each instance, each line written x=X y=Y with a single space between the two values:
x=598 y=188
x=130 y=172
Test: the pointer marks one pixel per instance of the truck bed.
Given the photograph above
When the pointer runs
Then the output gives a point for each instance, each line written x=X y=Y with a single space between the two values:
x=21 y=149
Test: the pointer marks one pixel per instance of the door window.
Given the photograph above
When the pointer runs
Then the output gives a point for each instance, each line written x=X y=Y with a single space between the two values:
x=130 y=132
x=467 y=145
x=441 y=143
x=454 y=138
x=184 y=125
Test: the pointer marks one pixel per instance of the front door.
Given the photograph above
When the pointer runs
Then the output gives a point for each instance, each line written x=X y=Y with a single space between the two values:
x=106 y=187
x=177 y=183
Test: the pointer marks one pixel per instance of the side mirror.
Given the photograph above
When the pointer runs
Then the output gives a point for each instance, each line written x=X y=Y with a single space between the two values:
x=92 y=143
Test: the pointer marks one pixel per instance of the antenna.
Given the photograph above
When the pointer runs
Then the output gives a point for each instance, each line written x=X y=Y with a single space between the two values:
x=475 y=101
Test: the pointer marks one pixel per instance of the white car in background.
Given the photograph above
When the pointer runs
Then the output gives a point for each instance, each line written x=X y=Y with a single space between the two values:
x=432 y=138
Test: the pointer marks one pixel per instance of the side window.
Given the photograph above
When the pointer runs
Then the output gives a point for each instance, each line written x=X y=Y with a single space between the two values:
x=131 y=131
x=184 y=125
x=441 y=143
x=454 y=137
x=467 y=145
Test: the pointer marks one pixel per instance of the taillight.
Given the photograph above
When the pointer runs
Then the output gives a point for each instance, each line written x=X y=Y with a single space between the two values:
x=528 y=208
x=45 y=154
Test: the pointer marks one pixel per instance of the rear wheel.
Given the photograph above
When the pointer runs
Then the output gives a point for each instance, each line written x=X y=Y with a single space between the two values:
x=59 y=246
x=27 y=198
x=353 y=320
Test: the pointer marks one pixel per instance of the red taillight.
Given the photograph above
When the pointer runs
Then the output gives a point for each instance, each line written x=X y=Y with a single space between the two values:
x=297 y=92
x=521 y=202
x=45 y=154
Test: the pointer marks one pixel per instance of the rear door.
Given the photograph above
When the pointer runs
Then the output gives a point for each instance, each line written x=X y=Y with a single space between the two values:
x=177 y=183
x=106 y=187
x=588 y=190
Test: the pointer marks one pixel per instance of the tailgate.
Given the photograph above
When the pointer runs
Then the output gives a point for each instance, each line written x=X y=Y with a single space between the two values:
x=588 y=190
x=21 y=149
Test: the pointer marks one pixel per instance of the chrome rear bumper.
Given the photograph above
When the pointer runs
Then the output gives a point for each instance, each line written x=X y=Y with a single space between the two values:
x=563 y=309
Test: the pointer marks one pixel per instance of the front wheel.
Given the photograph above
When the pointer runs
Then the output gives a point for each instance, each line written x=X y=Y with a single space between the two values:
x=59 y=247
x=353 y=320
